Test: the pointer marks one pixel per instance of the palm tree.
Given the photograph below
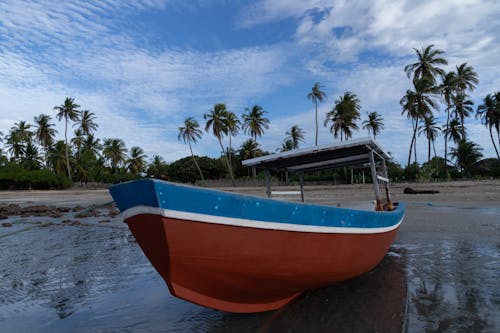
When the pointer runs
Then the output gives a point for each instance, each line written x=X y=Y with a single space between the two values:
x=286 y=145
x=295 y=135
x=316 y=95
x=427 y=64
x=86 y=123
x=462 y=109
x=31 y=159
x=14 y=144
x=233 y=127
x=137 y=161
x=22 y=128
x=497 y=112
x=69 y=111
x=254 y=124
x=92 y=144
x=418 y=104
x=44 y=132
x=249 y=149
x=466 y=78
x=18 y=138
x=115 y=152
x=155 y=169
x=373 y=124
x=344 y=115
x=454 y=131
x=57 y=157
x=217 y=120
x=466 y=154
x=490 y=117
x=190 y=132
x=431 y=132
x=448 y=88
x=78 y=141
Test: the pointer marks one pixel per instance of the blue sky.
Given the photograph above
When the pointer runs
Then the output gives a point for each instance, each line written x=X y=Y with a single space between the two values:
x=144 y=66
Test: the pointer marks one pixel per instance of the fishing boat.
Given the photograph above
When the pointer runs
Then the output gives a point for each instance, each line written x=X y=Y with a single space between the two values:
x=241 y=253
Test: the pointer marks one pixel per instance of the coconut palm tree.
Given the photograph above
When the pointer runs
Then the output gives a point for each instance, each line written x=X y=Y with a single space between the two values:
x=137 y=161
x=466 y=154
x=466 y=78
x=31 y=159
x=373 y=124
x=17 y=139
x=286 y=145
x=77 y=141
x=217 y=120
x=190 y=132
x=454 y=131
x=448 y=88
x=115 y=152
x=69 y=111
x=431 y=132
x=254 y=124
x=418 y=104
x=249 y=149
x=316 y=95
x=490 y=117
x=344 y=115
x=92 y=144
x=295 y=135
x=14 y=145
x=462 y=109
x=156 y=167
x=233 y=127
x=427 y=65
x=86 y=123
x=57 y=157
x=22 y=128
x=45 y=132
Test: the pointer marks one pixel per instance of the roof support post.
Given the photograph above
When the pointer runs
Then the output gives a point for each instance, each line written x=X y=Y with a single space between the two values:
x=268 y=182
x=386 y=184
x=375 y=181
x=301 y=178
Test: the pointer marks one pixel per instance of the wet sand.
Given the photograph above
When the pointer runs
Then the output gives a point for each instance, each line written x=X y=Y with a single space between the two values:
x=441 y=274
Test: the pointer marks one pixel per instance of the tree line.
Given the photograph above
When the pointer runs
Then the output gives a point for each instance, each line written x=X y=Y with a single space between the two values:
x=31 y=149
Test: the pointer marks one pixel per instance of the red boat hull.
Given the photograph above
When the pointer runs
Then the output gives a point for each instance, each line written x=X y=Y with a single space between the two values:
x=242 y=269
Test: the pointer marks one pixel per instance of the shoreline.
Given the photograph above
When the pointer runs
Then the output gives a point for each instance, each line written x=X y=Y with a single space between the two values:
x=482 y=192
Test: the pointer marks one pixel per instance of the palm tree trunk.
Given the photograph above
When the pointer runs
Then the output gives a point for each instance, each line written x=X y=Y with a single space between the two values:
x=463 y=126
x=446 y=142
x=494 y=145
x=196 y=163
x=254 y=171
x=229 y=154
x=67 y=149
x=435 y=155
x=429 y=151
x=316 y=142
x=227 y=161
x=411 y=144
x=415 y=144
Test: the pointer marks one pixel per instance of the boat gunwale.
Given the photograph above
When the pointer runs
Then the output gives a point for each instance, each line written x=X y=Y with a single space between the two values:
x=257 y=224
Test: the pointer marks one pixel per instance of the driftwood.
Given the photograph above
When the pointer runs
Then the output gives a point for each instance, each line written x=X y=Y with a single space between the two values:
x=409 y=190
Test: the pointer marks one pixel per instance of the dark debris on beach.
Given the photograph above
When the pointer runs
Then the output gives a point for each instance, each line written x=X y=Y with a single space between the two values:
x=10 y=210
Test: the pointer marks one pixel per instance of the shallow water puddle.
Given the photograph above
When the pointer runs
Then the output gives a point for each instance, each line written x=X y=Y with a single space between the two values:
x=94 y=277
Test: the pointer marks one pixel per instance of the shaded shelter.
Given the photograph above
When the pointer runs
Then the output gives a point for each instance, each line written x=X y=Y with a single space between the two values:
x=352 y=153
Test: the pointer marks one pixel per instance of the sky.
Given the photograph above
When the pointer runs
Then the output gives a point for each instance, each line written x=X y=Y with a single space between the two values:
x=143 y=67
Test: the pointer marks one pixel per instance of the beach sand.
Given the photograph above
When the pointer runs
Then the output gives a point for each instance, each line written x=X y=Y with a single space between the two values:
x=84 y=272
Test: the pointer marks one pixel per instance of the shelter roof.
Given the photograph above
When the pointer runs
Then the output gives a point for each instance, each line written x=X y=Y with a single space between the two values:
x=347 y=153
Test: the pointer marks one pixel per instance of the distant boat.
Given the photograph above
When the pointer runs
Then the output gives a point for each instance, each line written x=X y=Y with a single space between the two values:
x=241 y=253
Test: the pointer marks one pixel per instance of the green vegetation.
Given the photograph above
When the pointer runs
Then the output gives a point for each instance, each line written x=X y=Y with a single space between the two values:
x=31 y=158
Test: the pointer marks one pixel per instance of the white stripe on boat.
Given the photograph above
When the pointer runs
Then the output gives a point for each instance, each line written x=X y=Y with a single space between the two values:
x=196 y=217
